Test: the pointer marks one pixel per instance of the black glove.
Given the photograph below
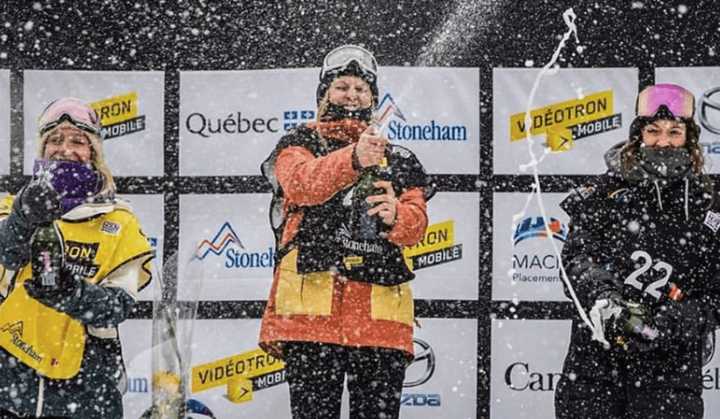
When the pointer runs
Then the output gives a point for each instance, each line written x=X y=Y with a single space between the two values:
x=66 y=285
x=37 y=203
x=680 y=320
x=633 y=330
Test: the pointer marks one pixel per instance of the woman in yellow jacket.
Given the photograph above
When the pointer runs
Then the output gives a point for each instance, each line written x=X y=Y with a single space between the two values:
x=60 y=353
x=340 y=303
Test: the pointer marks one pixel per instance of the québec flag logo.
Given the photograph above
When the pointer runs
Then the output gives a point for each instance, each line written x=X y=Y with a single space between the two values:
x=223 y=238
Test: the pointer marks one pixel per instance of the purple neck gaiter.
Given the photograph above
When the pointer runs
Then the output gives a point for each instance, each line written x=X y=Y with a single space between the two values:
x=75 y=182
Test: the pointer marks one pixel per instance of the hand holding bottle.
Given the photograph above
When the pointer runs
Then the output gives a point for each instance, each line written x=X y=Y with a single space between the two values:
x=370 y=149
x=384 y=205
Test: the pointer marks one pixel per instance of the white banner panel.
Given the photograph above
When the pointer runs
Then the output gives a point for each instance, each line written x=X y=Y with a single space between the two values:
x=527 y=358
x=704 y=83
x=591 y=108
x=136 y=337
x=4 y=122
x=525 y=265
x=130 y=105
x=449 y=390
x=436 y=115
x=446 y=261
x=711 y=382
x=225 y=114
x=228 y=114
x=441 y=382
x=234 y=241
x=151 y=212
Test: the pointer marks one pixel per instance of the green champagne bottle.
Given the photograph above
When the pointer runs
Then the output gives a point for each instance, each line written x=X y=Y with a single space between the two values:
x=362 y=225
x=47 y=251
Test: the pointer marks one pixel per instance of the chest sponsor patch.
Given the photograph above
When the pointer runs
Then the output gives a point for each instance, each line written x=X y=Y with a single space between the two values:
x=712 y=220
x=110 y=228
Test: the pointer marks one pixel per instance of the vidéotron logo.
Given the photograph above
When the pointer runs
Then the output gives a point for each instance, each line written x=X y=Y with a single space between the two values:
x=399 y=129
x=418 y=373
x=565 y=122
x=119 y=115
x=226 y=243
x=437 y=247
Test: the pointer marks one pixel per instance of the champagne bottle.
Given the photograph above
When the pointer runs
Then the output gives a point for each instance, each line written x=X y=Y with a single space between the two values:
x=47 y=251
x=635 y=322
x=364 y=226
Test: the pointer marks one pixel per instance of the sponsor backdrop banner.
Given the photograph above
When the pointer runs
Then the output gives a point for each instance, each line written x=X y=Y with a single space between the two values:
x=446 y=262
x=149 y=210
x=232 y=237
x=130 y=105
x=704 y=83
x=228 y=114
x=577 y=114
x=235 y=243
x=525 y=266
x=527 y=358
x=136 y=336
x=4 y=122
x=233 y=378
x=433 y=111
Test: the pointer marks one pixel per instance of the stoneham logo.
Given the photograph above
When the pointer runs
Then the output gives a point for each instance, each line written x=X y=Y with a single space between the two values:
x=226 y=243
x=400 y=129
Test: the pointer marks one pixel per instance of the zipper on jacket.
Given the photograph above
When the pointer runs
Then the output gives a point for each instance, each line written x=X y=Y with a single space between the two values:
x=41 y=396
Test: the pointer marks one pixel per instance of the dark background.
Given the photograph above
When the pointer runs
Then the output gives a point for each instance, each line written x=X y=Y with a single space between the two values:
x=235 y=35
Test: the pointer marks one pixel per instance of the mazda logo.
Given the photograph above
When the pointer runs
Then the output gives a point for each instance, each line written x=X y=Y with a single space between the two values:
x=423 y=365
x=708 y=104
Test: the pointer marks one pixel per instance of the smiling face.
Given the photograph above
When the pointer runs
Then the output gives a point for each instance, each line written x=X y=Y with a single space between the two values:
x=350 y=92
x=664 y=133
x=67 y=142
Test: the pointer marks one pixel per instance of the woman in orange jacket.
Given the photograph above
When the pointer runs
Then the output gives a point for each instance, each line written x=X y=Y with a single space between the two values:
x=346 y=202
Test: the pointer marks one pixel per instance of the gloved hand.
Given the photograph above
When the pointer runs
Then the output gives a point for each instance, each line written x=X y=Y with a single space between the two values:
x=680 y=320
x=37 y=203
x=67 y=285
x=633 y=329
x=621 y=323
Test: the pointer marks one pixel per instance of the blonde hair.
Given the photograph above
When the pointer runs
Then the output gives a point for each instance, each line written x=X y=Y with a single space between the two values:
x=97 y=158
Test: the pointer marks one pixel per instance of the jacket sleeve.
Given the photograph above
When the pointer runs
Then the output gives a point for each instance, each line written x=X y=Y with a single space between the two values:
x=411 y=220
x=14 y=237
x=109 y=302
x=309 y=180
x=588 y=267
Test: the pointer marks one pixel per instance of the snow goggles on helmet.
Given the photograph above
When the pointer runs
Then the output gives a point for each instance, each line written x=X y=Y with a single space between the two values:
x=342 y=56
x=665 y=99
x=72 y=110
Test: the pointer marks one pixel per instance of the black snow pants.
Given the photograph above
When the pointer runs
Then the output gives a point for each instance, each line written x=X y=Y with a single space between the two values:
x=316 y=372
x=610 y=384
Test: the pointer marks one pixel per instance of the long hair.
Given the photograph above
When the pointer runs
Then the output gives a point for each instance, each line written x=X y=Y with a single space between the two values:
x=97 y=158
x=629 y=152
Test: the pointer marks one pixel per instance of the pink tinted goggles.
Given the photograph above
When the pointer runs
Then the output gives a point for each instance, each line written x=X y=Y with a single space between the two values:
x=72 y=110
x=678 y=101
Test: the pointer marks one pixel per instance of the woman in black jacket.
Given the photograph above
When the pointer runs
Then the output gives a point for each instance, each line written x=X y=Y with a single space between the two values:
x=643 y=256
